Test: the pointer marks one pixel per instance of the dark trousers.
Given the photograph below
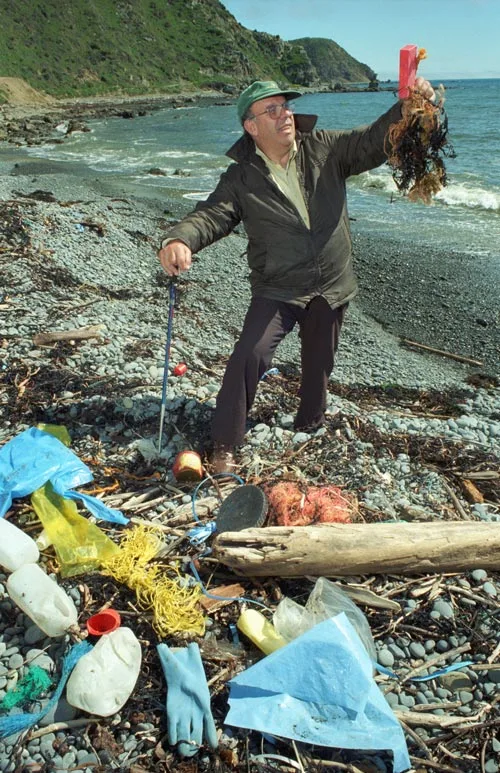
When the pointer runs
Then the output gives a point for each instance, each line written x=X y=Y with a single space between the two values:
x=267 y=322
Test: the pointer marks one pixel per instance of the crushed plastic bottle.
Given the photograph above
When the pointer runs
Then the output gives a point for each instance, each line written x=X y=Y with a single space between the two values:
x=103 y=680
x=42 y=599
x=16 y=547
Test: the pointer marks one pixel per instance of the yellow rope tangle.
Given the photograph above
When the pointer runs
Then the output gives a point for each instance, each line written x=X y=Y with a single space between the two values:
x=175 y=608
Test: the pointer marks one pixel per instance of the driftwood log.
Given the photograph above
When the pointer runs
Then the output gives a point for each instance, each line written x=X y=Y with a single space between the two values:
x=80 y=334
x=364 y=548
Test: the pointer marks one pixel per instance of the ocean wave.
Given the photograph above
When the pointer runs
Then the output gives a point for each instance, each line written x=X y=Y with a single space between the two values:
x=458 y=195
x=379 y=180
x=197 y=195
x=182 y=154
x=455 y=194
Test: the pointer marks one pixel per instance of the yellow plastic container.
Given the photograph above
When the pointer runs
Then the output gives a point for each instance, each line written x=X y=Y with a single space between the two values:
x=260 y=631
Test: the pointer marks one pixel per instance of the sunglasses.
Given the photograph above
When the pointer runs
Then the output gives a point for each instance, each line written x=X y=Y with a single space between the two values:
x=275 y=111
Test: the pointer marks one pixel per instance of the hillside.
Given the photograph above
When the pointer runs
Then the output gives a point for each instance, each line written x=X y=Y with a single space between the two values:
x=92 y=47
x=332 y=63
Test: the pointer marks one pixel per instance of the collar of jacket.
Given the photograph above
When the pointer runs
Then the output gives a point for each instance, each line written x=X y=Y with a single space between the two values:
x=244 y=147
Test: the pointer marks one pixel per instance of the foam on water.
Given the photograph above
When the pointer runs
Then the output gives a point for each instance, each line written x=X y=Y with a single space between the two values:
x=462 y=195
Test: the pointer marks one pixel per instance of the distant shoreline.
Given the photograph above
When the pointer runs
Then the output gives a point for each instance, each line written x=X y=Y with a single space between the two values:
x=42 y=117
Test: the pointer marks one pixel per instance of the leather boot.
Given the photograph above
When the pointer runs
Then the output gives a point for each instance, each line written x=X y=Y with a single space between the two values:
x=223 y=459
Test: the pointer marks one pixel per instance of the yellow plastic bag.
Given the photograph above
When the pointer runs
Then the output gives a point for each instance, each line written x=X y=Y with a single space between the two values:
x=79 y=544
x=61 y=433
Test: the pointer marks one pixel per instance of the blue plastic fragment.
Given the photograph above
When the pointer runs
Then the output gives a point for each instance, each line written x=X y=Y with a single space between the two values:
x=270 y=372
x=442 y=671
x=199 y=534
x=234 y=633
x=426 y=677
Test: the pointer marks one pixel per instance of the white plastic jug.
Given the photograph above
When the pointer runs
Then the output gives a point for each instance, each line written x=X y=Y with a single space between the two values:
x=16 y=547
x=42 y=599
x=103 y=680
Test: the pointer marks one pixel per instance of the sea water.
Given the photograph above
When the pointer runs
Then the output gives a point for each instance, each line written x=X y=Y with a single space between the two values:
x=188 y=145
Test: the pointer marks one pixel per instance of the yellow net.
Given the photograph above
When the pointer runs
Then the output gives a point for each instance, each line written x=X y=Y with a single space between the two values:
x=175 y=608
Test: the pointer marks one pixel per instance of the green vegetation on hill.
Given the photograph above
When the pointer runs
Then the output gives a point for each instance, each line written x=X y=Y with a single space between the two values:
x=91 y=47
x=333 y=63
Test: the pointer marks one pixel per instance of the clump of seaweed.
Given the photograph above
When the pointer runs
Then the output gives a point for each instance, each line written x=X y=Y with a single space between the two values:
x=417 y=145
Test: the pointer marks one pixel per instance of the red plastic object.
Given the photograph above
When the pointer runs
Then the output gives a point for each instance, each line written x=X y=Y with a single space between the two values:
x=180 y=369
x=408 y=61
x=103 y=622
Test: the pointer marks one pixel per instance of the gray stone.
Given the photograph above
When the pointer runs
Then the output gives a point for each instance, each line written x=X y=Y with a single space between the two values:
x=417 y=650
x=490 y=589
x=33 y=634
x=300 y=437
x=442 y=693
x=37 y=657
x=87 y=758
x=69 y=759
x=444 y=608
x=398 y=653
x=455 y=681
x=130 y=744
x=61 y=712
x=392 y=699
x=16 y=661
x=385 y=657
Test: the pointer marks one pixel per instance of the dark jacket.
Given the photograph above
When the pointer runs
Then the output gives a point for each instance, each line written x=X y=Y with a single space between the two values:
x=287 y=260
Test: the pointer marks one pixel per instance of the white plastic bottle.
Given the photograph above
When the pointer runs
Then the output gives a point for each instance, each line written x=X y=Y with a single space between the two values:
x=42 y=599
x=102 y=681
x=16 y=547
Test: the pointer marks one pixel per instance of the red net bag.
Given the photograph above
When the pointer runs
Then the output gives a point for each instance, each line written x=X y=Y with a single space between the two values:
x=290 y=505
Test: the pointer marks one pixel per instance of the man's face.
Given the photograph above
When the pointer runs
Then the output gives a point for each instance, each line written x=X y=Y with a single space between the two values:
x=274 y=134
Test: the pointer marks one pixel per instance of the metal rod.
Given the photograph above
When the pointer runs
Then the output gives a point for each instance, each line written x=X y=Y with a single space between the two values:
x=167 y=360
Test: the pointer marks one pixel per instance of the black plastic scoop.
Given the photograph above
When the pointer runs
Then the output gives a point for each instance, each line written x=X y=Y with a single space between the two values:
x=244 y=508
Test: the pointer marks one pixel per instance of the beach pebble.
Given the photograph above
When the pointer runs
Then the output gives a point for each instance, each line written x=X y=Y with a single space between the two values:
x=385 y=657
x=443 y=609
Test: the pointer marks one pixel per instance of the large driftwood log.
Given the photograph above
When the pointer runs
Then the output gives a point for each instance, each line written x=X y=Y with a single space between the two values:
x=361 y=548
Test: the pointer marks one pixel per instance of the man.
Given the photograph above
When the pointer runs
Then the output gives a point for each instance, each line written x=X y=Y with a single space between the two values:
x=288 y=188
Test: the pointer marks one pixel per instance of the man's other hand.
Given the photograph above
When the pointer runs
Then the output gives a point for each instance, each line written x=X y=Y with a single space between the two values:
x=175 y=257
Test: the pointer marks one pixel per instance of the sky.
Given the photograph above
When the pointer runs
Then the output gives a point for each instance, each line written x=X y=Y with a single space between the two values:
x=461 y=36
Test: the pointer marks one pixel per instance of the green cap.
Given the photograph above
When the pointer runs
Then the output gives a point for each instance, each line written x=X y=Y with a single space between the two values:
x=260 y=90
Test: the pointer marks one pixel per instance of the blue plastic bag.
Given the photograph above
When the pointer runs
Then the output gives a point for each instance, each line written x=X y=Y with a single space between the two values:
x=34 y=457
x=319 y=689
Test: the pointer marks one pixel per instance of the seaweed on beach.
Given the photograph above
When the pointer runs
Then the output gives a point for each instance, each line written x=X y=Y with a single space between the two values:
x=417 y=146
